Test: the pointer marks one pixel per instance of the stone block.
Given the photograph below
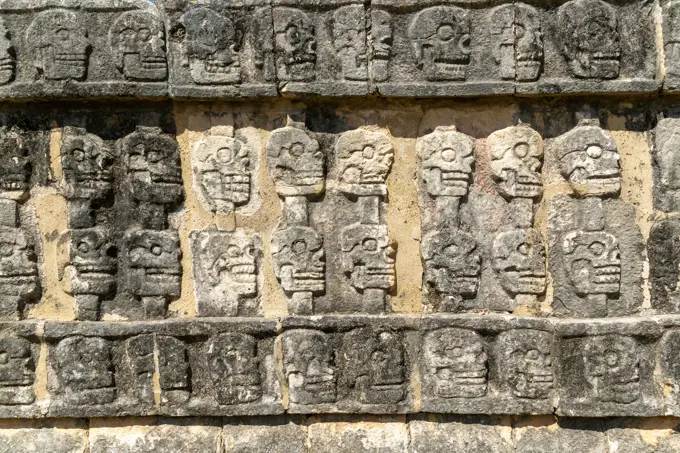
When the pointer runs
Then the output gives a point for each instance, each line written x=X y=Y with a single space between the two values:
x=444 y=435
x=20 y=347
x=665 y=157
x=270 y=435
x=355 y=437
x=195 y=435
x=554 y=438
x=626 y=440
x=57 y=437
x=662 y=249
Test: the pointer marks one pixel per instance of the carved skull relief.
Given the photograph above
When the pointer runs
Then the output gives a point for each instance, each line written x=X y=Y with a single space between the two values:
x=18 y=267
x=519 y=260
x=223 y=174
x=364 y=158
x=153 y=166
x=173 y=366
x=612 y=368
x=349 y=41
x=94 y=257
x=60 y=43
x=7 y=55
x=154 y=263
x=589 y=31
x=87 y=164
x=17 y=372
x=234 y=268
x=299 y=260
x=589 y=159
x=441 y=42
x=452 y=262
x=368 y=256
x=295 y=45
x=525 y=363
x=137 y=42
x=374 y=365
x=85 y=370
x=295 y=162
x=592 y=262
x=211 y=47
x=455 y=363
x=448 y=157
x=15 y=162
x=140 y=355
x=233 y=367
x=309 y=366
x=382 y=40
x=519 y=47
x=516 y=155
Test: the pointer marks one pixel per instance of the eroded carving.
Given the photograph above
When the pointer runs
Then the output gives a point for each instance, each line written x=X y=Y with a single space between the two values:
x=211 y=47
x=309 y=366
x=448 y=157
x=299 y=260
x=364 y=159
x=516 y=157
x=452 y=263
x=671 y=33
x=17 y=372
x=368 y=257
x=140 y=354
x=295 y=45
x=667 y=163
x=590 y=41
x=16 y=167
x=226 y=271
x=382 y=40
x=295 y=162
x=223 y=172
x=519 y=47
x=589 y=159
x=525 y=362
x=441 y=42
x=18 y=270
x=85 y=370
x=137 y=40
x=87 y=165
x=374 y=368
x=612 y=368
x=592 y=262
x=349 y=41
x=60 y=45
x=7 y=55
x=173 y=370
x=519 y=260
x=233 y=364
x=94 y=258
x=455 y=363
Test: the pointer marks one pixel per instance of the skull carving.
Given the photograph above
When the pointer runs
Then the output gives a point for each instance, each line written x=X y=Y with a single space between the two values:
x=455 y=364
x=15 y=162
x=590 y=38
x=519 y=260
x=60 y=45
x=374 y=365
x=140 y=355
x=612 y=368
x=7 y=56
x=87 y=164
x=382 y=39
x=233 y=368
x=516 y=154
x=349 y=40
x=589 y=159
x=441 y=41
x=154 y=263
x=295 y=162
x=525 y=364
x=137 y=42
x=18 y=268
x=519 y=49
x=452 y=262
x=592 y=262
x=17 y=372
x=368 y=256
x=295 y=45
x=153 y=166
x=299 y=261
x=448 y=158
x=235 y=268
x=671 y=32
x=173 y=367
x=94 y=257
x=364 y=158
x=309 y=366
x=85 y=370
x=222 y=171
x=211 y=47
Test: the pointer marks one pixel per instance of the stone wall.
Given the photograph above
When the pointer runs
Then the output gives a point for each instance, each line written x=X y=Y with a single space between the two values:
x=339 y=226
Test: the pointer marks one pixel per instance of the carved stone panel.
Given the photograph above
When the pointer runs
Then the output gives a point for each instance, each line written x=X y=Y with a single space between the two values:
x=363 y=161
x=173 y=370
x=295 y=162
x=368 y=257
x=232 y=359
x=299 y=260
x=519 y=259
x=321 y=49
x=447 y=161
x=516 y=157
x=669 y=365
x=663 y=250
x=19 y=281
x=17 y=372
x=441 y=436
x=519 y=42
x=671 y=36
x=137 y=40
x=524 y=360
x=666 y=159
x=227 y=268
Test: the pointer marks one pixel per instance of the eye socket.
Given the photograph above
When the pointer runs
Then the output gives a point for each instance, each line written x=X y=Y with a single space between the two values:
x=156 y=249
x=297 y=150
x=225 y=154
x=523 y=248
x=293 y=34
x=597 y=248
x=299 y=247
x=594 y=151
x=533 y=354
x=368 y=152
x=84 y=247
x=448 y=155
x=154 y=156
x=79 y=155
x=144 y=34
x=519 y=31
x=370 y=245
x=6 y=249
x=234 y=251
x=4 y=358
x=612 y=358
x=521 y=150
x=445 y=32
x=63 y=34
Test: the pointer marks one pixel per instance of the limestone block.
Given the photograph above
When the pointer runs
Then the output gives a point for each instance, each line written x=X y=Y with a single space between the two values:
x=444 y=435
x=367 y=436
x=270 y=435
x=70 y=437
x=553 y=438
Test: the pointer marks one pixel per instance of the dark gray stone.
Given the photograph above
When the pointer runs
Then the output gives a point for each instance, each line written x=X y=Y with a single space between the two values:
x=57 y=437
x=20 y=347
x=662 y=250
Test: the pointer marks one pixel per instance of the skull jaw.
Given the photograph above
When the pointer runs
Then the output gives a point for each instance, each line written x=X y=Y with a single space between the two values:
x=588 y=66
x=95 y=283
x=205 y=72
x=303 y=71
x=528 y=70
x=517 y=283
x=65 y=66
x=7 y=66
x=532 y=385
x=136 y=68
x=453 y=388
x=611 y=390
x=230 y=393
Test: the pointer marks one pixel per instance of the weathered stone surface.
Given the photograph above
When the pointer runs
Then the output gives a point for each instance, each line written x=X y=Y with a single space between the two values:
x=196 y=435
x=550 y=439
x=57 y=437
x=351 y=437
x=443 y=435
x=666 y=179
x=663 y=264
x=270 y=435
